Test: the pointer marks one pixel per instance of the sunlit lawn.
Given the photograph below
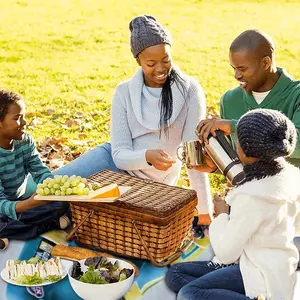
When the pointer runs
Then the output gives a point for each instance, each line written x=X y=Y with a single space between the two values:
x=69 y=55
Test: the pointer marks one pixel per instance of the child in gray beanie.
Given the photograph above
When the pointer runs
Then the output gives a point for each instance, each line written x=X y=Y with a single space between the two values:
x=255 y=256
x=265 y=136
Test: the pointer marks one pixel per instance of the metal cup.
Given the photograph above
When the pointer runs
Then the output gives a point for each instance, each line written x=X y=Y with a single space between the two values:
x=191 y=153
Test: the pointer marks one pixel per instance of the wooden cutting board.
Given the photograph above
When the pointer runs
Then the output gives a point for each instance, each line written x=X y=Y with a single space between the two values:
x=85 y=198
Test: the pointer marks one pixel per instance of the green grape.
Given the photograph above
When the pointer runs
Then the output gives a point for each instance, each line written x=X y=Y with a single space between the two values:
x=56 y=186
x=65 y=178
x=40 y=191
x=95 y=186
x=81 y=185
x=79 y=192
x=84 y=180
x=74 y=183
x=77 y=179
x=69 y=191
x=47 y=180
x=66 y=184
x=57 y=178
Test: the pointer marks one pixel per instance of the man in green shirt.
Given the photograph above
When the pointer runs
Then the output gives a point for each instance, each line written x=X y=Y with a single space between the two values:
x=262 y=85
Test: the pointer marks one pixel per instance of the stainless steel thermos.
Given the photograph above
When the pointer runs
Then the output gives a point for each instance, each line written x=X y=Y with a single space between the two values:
x=226 y=159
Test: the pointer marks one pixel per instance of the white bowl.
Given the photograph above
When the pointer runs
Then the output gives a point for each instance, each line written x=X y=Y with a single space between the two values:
x=110 y=291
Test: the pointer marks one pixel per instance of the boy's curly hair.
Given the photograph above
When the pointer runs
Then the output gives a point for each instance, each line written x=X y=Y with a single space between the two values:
x=7 y=98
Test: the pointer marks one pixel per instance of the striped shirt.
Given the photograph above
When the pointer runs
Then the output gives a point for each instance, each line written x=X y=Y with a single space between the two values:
x=15 y=165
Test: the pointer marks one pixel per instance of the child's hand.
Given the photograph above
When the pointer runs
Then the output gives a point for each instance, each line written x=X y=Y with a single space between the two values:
x=220 y=206
x=29 y=203
x=36 y=203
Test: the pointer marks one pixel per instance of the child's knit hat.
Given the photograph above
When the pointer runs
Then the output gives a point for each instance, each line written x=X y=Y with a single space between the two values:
x=146 y=32
x=266 y=133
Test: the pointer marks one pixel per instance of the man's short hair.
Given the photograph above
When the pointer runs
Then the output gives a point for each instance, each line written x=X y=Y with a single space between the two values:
x=253 y=40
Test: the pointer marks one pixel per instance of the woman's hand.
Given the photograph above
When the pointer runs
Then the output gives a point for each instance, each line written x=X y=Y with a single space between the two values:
x=220 y=206
x=159 y=159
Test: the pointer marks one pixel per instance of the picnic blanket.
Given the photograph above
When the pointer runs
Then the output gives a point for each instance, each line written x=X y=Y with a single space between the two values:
x=148 y=285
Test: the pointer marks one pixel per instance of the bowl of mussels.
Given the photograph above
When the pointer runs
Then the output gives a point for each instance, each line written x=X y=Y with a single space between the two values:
x=101 y=277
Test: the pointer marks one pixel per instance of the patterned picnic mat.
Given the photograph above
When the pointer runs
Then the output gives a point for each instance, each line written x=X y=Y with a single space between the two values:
x=148 y=285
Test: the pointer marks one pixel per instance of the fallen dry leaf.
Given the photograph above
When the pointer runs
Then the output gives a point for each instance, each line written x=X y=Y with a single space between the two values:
x=53 y=140
x=55 y=163
x=50 y=111
x=55 y=153
x=82 y=136
x=70 y=123
x=78 y=115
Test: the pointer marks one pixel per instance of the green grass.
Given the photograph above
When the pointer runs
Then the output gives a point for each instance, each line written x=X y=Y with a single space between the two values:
x=68 y=55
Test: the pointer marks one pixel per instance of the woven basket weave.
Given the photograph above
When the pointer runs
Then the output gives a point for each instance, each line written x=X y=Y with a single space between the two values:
x=151 y=221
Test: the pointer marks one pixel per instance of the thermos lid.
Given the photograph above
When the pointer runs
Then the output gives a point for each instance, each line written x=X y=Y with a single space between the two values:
x=238 y=179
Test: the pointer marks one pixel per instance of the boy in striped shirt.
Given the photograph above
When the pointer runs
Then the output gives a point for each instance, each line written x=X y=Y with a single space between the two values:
x=22 y=217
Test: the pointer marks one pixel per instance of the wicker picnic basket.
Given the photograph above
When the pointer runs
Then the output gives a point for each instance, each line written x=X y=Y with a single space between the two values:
x=150 y=221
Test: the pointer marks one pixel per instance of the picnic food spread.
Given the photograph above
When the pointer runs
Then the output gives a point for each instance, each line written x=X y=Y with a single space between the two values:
x=78 y=253
x=76 y=185
x=34 y=270
x=100 y=271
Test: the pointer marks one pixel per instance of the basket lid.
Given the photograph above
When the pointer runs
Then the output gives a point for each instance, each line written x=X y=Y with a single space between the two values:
x=146 y=196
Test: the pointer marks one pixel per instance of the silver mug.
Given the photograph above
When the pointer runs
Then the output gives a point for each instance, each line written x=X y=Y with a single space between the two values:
x=191 y=153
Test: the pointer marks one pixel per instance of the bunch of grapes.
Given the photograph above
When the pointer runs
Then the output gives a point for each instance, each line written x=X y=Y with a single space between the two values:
x=65 y=186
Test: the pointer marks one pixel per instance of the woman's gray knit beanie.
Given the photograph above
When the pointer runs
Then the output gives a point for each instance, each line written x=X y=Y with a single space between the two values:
x=146 y=32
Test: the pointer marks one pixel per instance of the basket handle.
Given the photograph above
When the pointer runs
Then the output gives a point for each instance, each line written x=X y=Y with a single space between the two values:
x=171 y=258
x=74 y=230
